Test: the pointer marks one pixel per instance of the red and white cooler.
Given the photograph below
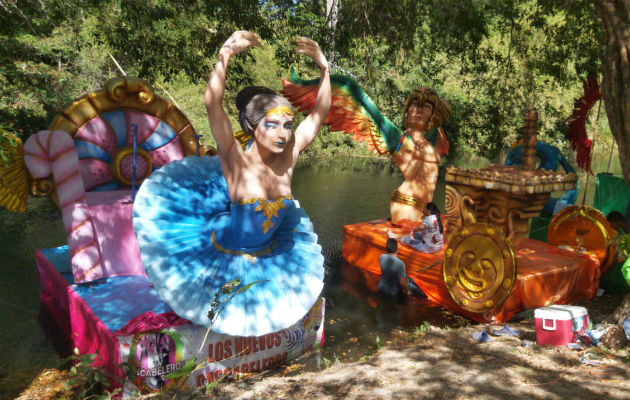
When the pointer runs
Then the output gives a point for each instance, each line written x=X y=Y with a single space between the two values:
x=558 y=325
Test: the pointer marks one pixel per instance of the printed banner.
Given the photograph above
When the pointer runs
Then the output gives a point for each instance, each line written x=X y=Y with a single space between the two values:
x=156 y=354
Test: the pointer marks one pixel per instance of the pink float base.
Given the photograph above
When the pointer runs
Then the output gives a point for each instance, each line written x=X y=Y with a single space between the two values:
x=143 y=331
x=76 y=319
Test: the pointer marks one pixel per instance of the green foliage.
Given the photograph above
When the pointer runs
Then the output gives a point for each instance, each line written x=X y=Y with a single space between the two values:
x=225 y=294
x=8 y=142
x=86 y=381
x=489 y=59
x=185 y=371
x=329 y=363
x=218 y=303
x=424 y=327
x=622 y=245
x=160 y=38
x=326 y=362
x=188 y=97
x=51 y=54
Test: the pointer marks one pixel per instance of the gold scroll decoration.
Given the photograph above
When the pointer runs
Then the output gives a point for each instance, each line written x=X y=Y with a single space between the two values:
x=584 y=228
x=479 y=268
x=460 y=210
x=452 y=206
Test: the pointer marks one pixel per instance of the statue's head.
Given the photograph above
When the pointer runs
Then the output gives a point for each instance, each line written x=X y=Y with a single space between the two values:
x=441 y=107
x=256 y=102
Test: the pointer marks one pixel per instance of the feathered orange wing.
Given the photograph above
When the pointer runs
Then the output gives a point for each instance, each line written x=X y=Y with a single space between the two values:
x=352 y=111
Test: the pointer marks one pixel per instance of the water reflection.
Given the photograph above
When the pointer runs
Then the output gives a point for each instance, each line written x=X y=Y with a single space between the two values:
x=347 y=192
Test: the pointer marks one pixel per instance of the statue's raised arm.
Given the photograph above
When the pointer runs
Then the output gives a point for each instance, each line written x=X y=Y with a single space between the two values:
x=213 y=99
x=308 y=129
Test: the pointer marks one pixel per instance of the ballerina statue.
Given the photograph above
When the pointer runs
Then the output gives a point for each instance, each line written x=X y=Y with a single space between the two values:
x=204 y=221
x=415 y=154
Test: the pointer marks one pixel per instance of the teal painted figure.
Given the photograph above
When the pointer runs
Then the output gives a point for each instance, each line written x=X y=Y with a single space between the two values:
x=202 y=222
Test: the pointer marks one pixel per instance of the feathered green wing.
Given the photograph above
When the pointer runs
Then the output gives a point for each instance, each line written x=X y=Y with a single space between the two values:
x=352 y=111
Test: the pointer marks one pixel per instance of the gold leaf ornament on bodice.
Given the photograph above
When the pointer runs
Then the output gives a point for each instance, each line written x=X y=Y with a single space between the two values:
x=269 y=209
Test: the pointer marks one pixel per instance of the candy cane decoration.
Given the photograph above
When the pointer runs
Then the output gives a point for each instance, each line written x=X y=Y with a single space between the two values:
x=54 y=152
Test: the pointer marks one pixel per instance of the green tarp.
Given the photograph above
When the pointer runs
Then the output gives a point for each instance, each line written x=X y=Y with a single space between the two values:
x=611 y=194
x=538 y=227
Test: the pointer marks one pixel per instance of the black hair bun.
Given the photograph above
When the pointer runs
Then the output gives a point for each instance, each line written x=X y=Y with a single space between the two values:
x=245 y=95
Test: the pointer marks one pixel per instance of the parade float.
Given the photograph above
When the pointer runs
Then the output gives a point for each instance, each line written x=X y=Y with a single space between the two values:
x=488 y=269
x=91 y=161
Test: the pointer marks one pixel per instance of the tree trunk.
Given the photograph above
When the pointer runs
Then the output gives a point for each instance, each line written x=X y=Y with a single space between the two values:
x=332 y=13
x=621 y=312
x=615 y=16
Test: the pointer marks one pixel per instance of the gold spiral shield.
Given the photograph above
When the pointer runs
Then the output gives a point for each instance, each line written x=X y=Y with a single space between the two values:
x=479 y=268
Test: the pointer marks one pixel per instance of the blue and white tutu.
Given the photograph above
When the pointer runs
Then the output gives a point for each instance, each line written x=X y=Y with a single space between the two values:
x=193 y=241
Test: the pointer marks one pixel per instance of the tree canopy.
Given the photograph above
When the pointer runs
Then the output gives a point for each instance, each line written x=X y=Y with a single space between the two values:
x=490 y=59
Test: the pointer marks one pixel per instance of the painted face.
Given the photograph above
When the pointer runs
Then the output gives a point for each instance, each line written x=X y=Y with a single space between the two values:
x=419 y=115
x=274 y=132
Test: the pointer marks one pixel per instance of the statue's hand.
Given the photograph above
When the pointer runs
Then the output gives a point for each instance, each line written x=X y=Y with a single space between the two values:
x=311 y=49
x=241 y=40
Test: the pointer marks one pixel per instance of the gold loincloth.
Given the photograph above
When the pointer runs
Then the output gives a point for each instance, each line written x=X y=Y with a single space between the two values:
x=408 y=200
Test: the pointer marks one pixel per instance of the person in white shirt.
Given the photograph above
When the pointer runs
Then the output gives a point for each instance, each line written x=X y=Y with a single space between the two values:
x=427 y=236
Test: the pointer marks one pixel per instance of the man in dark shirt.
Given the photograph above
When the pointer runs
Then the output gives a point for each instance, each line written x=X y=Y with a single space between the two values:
x=393 y=280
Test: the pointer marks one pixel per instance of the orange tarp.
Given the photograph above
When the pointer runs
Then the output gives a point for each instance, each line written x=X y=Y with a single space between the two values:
x=545 y=274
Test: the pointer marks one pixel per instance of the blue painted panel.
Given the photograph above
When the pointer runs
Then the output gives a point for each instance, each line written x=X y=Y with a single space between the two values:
x=162 y=135
x=88 y=150
x=116 y=119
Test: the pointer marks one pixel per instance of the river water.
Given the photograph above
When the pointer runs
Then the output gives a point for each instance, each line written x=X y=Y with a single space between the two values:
x=333 y=194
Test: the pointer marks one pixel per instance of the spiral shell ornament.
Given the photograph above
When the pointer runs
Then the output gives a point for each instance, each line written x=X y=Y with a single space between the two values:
x=101 y=126
x=479 y=268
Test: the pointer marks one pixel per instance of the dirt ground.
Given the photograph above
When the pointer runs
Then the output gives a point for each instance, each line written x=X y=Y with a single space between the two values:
x=435 y=364
x=450 y=364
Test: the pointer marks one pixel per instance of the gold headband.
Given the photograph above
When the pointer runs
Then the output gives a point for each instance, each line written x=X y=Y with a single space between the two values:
x=441 y=107
x=282 y=110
